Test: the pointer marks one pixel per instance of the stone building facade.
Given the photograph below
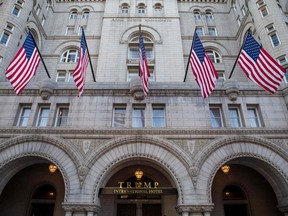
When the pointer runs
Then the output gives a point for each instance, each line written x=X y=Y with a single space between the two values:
x=177 y=139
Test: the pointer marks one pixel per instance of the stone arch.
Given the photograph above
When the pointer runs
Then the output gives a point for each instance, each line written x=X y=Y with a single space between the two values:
x=35 y=31
x=62 y=47
x=216 y=46
x=248 y=26
x=111 y=156
x=262 y=155
x=130 y=31
x=23 y=151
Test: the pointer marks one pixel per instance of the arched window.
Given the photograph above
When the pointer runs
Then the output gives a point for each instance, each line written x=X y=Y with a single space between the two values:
x=85 y=14
x=214 y=56
x=197 y=15
x=73 y=14
x=124 y=8
x=70 y=56
x=158 y=7
x=209 y=15
x=133 y=56
x=141 y=8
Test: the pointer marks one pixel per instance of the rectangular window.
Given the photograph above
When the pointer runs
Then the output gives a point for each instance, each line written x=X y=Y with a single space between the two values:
x=264 y=11
x=274 y=39
x=64 y=76
x=134 y=72
x=221 y=75
x=253 y=116
x=43 y=117
x=282 y=60
x=216 y=117
x=70 y=30
x=119 y=116
x=234 y=115
x=62 y=116
x=16 y=10
x=212 y=31
x=158 y=116
x=5 y=38
x=43 y=20
x=24 y=116
x=260 y=3
x=200 y=31
x=138 y=117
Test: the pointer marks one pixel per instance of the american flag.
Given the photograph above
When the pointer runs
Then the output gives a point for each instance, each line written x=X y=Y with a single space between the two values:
x=144 y=71
x=259 y=66
x=24 y=65
x=79 y=73
x=202 y=68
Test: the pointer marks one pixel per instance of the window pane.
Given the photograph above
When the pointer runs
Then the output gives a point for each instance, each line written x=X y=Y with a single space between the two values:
x=275 y=39
x=253 y=117
x=15 y=11
x=23 y=121
x=61 y=76
x=138 y=117
x=119 y=117
x=215 y=116
x=4 y=38
x=158 y=117
x=62 y=116
x=234 y=118
x=43 y=117
x=199 y=31
x=212 y=31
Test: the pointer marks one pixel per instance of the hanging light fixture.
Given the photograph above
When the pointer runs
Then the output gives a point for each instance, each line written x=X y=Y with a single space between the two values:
x=138 y=173
x=52 y=168
x=225 y=169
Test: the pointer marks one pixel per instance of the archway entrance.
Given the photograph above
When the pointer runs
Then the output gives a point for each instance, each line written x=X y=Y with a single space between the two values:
x=33 y=191
x=244 y=192
x=139 y=191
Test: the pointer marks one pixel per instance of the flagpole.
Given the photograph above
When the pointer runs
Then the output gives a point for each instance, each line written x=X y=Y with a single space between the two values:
x=238 y=57
x=190 y=55
x=139 y=48
x=39 y=54
x=88 y=55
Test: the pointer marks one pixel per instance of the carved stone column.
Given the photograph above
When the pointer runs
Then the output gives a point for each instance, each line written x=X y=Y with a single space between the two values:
x=80 y=209
x=195 y=210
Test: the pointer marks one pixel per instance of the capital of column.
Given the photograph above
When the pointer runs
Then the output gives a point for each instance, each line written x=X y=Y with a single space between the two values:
x=91 y=208
x=201 y=208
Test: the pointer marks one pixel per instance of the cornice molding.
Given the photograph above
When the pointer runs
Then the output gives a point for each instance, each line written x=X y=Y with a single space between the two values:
x=205 y=1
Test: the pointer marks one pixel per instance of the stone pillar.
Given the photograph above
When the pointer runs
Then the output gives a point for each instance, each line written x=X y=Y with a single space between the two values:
x=90 y=213
x=185 y=213
x=80 y=209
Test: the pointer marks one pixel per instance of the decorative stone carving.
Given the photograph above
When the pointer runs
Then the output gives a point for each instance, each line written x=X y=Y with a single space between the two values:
x=46 y=89
x=80 y=207
x=136 y=89
x=201 y=208
x=82 y=172
x=232 y=89
x=86 y=146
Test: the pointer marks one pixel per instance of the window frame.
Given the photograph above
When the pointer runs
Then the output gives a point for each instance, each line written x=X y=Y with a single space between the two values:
x=197 y=15
x=238 y=118
x=214 y=56
x=141 y=118
x=141 y=8
x=256 y=118
x=218 y=108
x=162 y=118
x=202 y=30
x=65 y=59
x=73 y=14
x=21 y=116
x=264 y=11
x=85 y=14
x=8 y=34
x=209 y=15
x=67 y=78
x=282 y=57
x=115 y=116
x=214 y=30
x=39 y=118
x=133 y=71
x=57 y=117
x=271 y=35
x=17 y=7
x=70 y=30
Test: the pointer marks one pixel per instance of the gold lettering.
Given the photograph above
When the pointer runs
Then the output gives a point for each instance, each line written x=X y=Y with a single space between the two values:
x=129 y=185
x=147 y=185
x=120 y=184
x=156 y=184
x=138 y=184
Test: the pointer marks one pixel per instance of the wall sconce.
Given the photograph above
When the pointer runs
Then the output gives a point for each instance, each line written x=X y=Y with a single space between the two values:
x=225 y=169
x=52 y=168
x=138 y=173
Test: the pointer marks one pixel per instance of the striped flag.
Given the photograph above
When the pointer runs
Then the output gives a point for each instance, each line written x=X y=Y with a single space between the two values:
x=259 y=66
x=144 y=71
x=79 y=73
x=202 y=68
x=24 y=65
